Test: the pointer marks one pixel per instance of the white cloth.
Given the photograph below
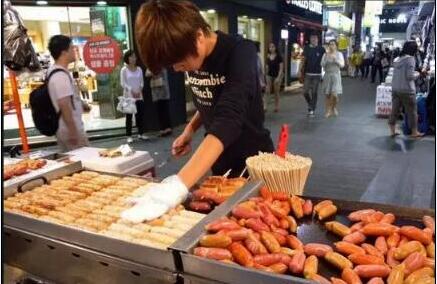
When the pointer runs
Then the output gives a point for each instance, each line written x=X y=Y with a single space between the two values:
x=62 y=85
x=132 y=82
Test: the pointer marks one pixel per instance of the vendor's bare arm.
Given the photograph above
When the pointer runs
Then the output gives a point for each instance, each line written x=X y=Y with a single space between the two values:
x=194 y=123
x=205 y=156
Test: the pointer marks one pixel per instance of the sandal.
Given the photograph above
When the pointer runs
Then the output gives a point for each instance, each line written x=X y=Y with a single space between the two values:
x=395 y=134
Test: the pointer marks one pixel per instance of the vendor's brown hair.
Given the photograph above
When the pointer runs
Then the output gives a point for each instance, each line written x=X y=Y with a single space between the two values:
x=166 y=32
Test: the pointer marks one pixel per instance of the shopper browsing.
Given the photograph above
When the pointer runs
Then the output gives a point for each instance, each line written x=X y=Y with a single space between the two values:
x=274 y=71
x=332 y=62
x=161 y=97
x=132 y=82
x=64 y=94
x=311 y=72
x=222 y=73
x=404 y=89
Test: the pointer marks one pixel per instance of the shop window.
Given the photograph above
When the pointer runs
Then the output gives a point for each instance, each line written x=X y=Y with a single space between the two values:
x=211 y=17
x=80 y=23
x=253 y=29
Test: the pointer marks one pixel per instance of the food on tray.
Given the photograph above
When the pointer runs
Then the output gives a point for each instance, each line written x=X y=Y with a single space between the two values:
x=213 y=191
x=280 y=174
x=22 y=167
x=123 y=150
x=94 y=202
x=257 y=235
x=110 y=153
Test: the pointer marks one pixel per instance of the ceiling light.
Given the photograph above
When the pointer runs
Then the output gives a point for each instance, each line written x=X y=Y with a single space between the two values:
x=210 y=11
x=41 y=2
x=259 y=19
x=244 y=16
x=101 y=3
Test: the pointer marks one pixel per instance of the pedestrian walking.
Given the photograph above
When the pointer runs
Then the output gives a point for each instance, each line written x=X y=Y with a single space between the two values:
x=377 y=64
x=261 y=76
x=64 y=94
x=275 y=73
x=332 y=62
x=132 y=82
x=311 y=72
x=357 y=61
x=367 y=62
x=161 y=97
x=404 y=89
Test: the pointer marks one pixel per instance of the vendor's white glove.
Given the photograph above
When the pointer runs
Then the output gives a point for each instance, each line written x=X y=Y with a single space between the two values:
x=157 y=200
x=144 y=212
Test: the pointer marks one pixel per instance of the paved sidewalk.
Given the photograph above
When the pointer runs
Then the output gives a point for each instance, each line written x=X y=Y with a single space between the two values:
x=353 y=156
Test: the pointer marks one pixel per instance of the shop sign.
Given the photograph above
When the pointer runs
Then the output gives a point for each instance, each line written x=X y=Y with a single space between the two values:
x=372 y=9
x=395 y=19
x=101 y=54
x=310 y=5
x=339 y=22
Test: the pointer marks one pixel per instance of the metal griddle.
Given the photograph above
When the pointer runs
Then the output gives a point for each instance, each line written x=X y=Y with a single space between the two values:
x=202 y=270
x=30 y=245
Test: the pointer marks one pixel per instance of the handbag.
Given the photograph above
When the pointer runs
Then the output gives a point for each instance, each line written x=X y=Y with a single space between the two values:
x=156 y=82
x=126 y=105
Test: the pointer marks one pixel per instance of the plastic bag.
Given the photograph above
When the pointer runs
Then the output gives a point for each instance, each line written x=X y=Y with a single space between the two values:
x=18 y=51
x=126 y=105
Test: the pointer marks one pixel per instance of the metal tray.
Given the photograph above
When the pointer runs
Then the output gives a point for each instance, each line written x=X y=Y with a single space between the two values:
x=202 y=270
x=33 y=179
x=59 y=262
x=152 y=257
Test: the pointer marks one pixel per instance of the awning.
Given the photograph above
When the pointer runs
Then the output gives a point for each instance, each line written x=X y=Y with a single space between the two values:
x=302 y=23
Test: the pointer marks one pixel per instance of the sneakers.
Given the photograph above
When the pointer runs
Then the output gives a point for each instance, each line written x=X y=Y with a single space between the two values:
x=311 y=113
x=130 y=140
x=143 y=137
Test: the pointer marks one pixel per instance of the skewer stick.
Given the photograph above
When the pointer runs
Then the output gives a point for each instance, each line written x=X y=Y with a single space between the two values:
x=244 y=171
x=227 y=173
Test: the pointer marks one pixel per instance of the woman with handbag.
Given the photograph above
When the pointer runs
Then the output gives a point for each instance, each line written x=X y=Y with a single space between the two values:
x=161 y=98
x=132 y=82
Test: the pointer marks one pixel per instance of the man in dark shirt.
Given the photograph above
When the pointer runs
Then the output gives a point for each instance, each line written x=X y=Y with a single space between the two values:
x=222 y=73
x=311 y=72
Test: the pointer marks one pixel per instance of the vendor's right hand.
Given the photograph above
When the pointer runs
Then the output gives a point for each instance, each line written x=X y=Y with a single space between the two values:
x=182 y=145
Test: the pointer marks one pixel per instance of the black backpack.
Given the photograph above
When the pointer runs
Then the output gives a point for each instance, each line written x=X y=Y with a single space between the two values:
x=44 y=115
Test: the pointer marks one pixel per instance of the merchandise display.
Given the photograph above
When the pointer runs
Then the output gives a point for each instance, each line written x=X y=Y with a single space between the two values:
x=287 y=174
x=94 y=202
x=261 y=234
x=213 y=191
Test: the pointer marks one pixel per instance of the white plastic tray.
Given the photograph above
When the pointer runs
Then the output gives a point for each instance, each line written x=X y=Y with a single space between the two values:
x=136 y=163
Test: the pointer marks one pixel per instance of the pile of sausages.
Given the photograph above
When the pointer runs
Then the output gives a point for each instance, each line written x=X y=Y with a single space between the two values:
x=260 y=234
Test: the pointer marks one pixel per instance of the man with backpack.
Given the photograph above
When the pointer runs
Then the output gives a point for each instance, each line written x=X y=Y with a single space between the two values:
x=64 y=95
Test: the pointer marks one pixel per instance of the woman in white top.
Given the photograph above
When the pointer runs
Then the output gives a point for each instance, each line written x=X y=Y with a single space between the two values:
x=332 y=62
x=132 y=82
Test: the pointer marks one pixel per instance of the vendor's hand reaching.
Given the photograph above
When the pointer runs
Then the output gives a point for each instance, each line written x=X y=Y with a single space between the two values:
x=182 y=144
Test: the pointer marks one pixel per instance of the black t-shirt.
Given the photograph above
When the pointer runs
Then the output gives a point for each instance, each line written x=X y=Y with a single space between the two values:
x=313 y=58
x=227 y=94
x=273 y=65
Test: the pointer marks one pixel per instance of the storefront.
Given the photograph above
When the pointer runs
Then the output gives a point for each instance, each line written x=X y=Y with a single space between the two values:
x=301 y=18
x=81 y=22
x=339 y=28
x=394 y=21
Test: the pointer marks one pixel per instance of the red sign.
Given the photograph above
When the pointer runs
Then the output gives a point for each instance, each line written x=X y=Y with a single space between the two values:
x=101 y=54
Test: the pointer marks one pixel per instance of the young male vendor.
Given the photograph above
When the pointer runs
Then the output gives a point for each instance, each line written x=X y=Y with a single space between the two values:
x=222 y=73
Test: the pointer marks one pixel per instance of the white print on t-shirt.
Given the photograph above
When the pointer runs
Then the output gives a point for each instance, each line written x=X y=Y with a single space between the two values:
x=203 y=85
